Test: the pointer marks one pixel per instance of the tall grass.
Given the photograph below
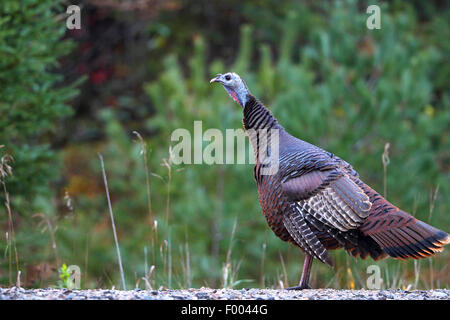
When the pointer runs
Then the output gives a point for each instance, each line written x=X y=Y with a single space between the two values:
x=147 y=176
x=122 y=275
x=5 y=171
x=160 y=272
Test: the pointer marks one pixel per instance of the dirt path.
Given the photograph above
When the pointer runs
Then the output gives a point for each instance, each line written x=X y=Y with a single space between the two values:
x=221 y=294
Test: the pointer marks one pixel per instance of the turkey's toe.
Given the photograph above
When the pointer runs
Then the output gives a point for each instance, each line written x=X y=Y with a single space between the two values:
x=300 y=287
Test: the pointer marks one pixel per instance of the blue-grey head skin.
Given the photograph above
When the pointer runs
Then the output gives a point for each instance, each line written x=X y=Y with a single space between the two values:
x=235 y=86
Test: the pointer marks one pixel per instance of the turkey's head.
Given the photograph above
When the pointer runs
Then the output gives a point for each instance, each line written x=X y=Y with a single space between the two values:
x=235 y=86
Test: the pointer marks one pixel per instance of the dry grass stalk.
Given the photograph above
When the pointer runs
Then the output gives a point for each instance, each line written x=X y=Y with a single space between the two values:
x=48 y=225
x=285 y=276
x=168 y=164
x=112 y=221
x=147 y=176
x=5 y=171
x=385 y=160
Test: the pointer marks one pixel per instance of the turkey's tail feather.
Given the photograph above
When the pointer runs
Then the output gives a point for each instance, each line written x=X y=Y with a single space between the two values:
x=417 y=240
x=398 y=233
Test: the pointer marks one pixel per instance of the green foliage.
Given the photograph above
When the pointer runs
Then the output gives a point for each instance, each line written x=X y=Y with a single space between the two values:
x=347 y=89
x=31 y=99
x=64 y=277
x=328 y=79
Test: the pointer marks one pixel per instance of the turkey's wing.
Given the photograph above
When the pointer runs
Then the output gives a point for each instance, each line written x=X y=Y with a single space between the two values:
x=337 y=202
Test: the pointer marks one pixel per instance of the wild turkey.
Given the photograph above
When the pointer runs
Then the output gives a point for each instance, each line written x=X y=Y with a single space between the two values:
x=317 y=201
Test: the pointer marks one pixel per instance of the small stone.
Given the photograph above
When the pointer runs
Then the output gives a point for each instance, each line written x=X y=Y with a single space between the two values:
x=386 y=295
x=202 y=295
x=437 y=294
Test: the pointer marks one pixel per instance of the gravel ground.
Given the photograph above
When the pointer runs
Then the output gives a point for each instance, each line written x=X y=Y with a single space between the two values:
x=221 y=294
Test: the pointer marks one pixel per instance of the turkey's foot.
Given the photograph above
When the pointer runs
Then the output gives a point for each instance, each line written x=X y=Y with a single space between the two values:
x=300 y=287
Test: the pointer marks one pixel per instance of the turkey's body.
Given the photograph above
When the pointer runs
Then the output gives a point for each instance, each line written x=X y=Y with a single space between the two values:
x=316 y=201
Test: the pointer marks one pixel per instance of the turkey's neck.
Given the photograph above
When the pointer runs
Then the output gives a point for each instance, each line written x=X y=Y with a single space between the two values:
x=257 y=116
x=260 y=125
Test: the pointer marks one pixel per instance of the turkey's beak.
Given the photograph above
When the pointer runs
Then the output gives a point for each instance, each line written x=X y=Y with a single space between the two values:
x=216 y=79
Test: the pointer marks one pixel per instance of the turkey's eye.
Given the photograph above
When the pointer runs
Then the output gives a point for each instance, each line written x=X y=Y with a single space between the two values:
x=228 y=77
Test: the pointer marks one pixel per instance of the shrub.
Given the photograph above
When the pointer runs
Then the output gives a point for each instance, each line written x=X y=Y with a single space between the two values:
x=32 y=99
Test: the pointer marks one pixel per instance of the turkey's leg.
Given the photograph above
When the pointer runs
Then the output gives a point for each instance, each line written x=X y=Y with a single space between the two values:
x=304 y=281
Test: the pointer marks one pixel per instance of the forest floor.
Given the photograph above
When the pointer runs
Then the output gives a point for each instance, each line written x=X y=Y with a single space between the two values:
x=221 y=294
